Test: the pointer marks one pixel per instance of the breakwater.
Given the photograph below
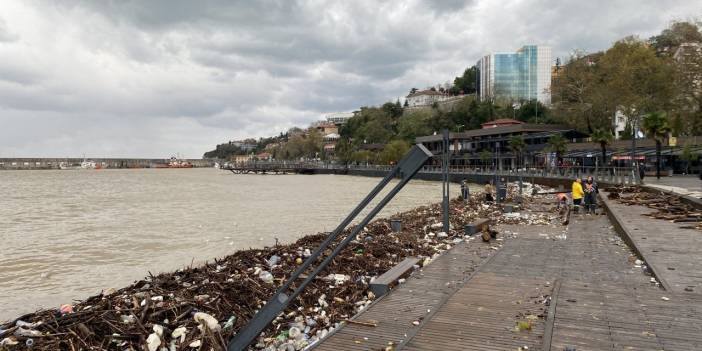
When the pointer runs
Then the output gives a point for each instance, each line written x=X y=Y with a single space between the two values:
x=54 y=163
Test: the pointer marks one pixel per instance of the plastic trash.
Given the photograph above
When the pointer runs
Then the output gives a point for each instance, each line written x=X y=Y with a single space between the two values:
x=179 y=332
x=128 y=319
x=27 y=332
x=29 y=342
x=307 y=253
x=195 y=344
x=266 y=276
x=66 y=308
x=23 y=324
x=273 y=260
x=207 y=320
x=158 y=330
x=153 y=342
x=294 y=332
x=230 y=323
x=8 y=342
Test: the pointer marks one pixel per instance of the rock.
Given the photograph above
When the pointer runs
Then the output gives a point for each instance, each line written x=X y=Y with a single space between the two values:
x=108 y=292
x=442 y=235
x=638 y=262
x=307 y=253
x=298 y=260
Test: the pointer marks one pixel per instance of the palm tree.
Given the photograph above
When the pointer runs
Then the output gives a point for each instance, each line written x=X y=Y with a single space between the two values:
x=517 y=145
x=485 y=156
x=604 y=138
x=557 y=143
x=656 y=126
x=688 y=156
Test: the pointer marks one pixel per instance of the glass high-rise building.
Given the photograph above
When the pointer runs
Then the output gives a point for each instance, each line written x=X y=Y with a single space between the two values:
x=515 y=77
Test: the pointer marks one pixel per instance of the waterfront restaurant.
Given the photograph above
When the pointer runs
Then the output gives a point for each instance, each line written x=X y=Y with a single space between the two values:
x=618 y=154
x=467 y=148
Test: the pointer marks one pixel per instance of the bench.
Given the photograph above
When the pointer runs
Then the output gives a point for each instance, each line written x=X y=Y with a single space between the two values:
x=477 y=226
x=381 y=285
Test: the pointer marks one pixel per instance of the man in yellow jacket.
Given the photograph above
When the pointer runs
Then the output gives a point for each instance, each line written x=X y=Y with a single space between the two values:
x=577 y=193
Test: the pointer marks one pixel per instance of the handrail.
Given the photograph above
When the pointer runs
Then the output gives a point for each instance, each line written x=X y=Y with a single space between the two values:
x=617 y=175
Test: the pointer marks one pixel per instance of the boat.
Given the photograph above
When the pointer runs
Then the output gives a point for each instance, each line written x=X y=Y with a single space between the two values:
x=173 y=163
x=176 y=163
x=86 y=164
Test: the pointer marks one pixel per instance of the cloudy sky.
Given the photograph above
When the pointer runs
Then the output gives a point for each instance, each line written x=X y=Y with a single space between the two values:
x=155 y=78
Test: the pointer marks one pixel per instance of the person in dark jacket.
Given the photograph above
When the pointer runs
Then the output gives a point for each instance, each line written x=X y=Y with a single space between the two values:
x=642 y=171
x=590 y=190
x=465 y=192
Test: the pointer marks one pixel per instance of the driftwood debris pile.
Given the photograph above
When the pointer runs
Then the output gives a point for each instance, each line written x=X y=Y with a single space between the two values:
x=668 y=207
x=200 y=308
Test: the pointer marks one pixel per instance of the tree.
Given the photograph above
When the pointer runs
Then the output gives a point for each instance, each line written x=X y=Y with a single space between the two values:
x=688 y=156
x=344 y=151
x=485 y=156
x=655 y=125
x=406 y=104
x=637 y=79
x=394 y=110
x=363 y=156
x=394 y=151
x=557 y=143
x=671 y=37
x=604 y=138
x=580 y=94
x=465 y=84
x=414 y=125
x=517 y=145
x=532 y=111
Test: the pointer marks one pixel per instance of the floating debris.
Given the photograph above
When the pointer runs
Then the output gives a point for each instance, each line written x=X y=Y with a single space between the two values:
x=202 y=307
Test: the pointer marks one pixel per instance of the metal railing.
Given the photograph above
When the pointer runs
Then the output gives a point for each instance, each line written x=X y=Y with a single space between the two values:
x=614 y=175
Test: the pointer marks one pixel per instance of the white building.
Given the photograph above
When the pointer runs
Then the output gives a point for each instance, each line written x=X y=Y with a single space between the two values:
x=338 y=117
x=620 y=122
x=517 y=76
x=425 y=98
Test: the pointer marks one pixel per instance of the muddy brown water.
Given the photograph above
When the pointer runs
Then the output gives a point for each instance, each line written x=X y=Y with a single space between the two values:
x=66 y=235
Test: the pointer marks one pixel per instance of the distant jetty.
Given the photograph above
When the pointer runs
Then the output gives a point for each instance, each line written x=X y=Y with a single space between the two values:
x=100 y=163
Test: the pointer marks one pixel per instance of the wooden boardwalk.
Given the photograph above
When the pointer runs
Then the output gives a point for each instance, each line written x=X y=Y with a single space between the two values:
x=598 y=299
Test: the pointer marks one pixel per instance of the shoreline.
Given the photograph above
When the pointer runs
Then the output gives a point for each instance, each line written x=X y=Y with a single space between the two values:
x=236 y=285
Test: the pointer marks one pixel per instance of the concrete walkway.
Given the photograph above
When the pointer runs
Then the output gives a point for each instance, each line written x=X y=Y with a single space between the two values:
x=673 y=251
x=683 y=185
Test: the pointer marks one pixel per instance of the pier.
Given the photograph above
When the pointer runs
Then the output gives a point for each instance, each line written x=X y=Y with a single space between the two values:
x=575 y=287
x=54 y=163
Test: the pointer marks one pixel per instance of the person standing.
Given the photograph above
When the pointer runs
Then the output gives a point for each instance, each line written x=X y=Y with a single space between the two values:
x=590 y=195
x=577 y=190
x=465 y=191
x=642 y=172
x=488 y=192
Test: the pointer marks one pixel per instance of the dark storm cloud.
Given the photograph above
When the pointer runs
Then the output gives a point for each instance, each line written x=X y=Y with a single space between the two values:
x=151 y=78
